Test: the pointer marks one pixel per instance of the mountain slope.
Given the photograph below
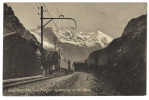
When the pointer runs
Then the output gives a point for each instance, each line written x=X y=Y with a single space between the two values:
x=21 y=49
x=123 y=62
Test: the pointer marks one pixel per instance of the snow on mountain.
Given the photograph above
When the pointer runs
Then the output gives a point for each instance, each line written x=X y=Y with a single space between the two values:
x=103 y=39
x=83 y=38
x=46 y=44
x=79 y=38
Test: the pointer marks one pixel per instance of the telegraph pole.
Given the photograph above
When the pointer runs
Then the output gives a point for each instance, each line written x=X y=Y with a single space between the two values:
x=42 y=36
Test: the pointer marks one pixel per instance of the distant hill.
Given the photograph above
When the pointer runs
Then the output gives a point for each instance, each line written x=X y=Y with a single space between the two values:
x=123 y=61
x=21 y=49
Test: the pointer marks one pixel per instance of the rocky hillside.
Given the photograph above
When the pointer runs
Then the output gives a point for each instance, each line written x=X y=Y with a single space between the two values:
x=136 y=24
x=123 y=62
x=21 y=49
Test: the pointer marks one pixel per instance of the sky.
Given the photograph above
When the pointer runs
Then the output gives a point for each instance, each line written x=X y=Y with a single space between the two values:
x=109 y=18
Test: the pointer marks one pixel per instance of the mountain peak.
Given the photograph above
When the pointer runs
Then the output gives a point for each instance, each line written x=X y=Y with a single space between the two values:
x=103 y=39
x=83 y=38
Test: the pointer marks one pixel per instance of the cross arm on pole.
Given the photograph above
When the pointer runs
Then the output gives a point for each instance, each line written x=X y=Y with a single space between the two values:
x=64 y=19
x=47 y=22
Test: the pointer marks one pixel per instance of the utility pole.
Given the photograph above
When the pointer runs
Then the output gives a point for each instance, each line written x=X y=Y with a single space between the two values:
x=42 y=35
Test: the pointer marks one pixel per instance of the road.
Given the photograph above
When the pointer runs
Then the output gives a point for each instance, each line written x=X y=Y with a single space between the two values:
x=76 y=84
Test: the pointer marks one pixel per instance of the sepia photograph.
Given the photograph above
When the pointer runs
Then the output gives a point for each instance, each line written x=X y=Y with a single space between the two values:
x=74 y=49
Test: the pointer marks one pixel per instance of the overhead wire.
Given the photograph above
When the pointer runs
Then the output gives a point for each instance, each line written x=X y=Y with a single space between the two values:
x=40 y=4
x=33 y=7
x=36 y=4
x=50 y=16
x=59 y=13
x=56 y=8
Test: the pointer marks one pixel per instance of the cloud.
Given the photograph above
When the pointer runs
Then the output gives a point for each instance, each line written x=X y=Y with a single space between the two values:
x=46 y=44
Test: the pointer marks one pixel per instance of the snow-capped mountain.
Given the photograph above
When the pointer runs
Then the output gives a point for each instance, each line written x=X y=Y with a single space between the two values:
x=79 y=45
x=83 y=38
x=79 y=38
x=103 y=39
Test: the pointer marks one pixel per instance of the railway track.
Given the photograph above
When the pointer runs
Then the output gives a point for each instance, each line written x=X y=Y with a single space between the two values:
x=21 y=81
x=9 y=83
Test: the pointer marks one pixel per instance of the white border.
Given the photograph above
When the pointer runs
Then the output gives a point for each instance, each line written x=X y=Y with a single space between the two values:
x=64 y=97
